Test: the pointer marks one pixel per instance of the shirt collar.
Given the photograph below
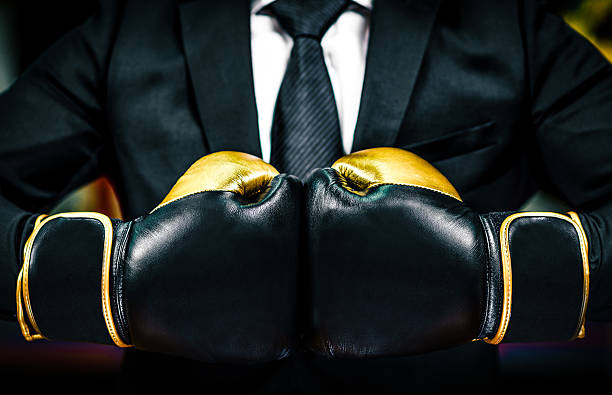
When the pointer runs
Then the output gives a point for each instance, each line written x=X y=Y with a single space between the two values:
x=257 y=5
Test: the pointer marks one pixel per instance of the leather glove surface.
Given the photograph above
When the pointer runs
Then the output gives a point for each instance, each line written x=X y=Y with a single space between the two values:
x=399 y=265
x=209 y=274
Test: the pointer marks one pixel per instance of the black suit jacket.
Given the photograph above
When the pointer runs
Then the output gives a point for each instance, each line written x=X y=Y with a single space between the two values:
x=501 y=96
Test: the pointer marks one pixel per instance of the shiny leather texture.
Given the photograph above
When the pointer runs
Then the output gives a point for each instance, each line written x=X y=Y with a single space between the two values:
x=213 y=277
x=210 y=275
x=491 y=224
x=402 y=268
x=399 y=270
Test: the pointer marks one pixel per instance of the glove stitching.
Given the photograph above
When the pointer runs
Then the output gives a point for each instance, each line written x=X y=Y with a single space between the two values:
x=344 y=182
x=488 y=280
x=120 y=284
x=267 y=190
x=506 y=271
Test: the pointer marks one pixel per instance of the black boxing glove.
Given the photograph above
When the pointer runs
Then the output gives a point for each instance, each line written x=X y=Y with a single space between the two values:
x=399 y=265
x=209 y=274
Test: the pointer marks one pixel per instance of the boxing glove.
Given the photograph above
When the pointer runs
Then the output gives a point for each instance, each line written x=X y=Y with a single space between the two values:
x=208 y=274
x=398 y=264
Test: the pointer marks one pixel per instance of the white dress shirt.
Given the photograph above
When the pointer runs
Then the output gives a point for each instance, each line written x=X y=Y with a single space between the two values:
x=345 y=45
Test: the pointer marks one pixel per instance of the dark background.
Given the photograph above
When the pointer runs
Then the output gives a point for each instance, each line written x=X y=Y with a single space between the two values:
x=28 y=27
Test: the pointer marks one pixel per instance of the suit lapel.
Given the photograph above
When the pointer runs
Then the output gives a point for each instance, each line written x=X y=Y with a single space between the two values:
x=217 y=42
x=399 y=34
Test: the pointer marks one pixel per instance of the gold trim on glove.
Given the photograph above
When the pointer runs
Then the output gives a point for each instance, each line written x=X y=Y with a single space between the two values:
x=507 y=270
x=387 y=165
x=23 y=278
x=230 y=171
x=23 y=290
x=584 y=248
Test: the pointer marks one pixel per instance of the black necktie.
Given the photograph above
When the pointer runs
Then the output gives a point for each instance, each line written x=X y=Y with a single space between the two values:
x=306 y=129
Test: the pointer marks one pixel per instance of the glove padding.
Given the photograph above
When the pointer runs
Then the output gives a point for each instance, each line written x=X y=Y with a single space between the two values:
x=209 y=274
x=398 y=264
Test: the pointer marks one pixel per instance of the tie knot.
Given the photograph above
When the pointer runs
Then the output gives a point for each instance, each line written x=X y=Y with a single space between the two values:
x=309 y=18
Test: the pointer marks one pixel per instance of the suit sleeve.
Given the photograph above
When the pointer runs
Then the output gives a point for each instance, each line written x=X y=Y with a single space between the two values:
x=571 y=108
x=52 y=140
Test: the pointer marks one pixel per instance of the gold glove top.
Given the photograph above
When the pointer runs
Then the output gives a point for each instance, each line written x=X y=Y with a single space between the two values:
x=379 y=166
x=230 y=171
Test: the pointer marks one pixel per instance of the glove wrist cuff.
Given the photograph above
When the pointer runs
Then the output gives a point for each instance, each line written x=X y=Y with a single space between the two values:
x=544 y=278
x=63 y=290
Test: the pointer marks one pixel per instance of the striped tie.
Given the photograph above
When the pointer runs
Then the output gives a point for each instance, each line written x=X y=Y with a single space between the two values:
x=306 y=129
